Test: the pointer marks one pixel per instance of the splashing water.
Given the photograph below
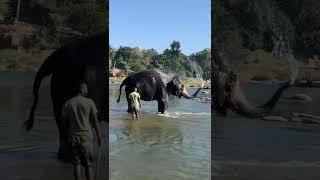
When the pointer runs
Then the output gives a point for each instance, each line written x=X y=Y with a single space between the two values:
x=283 y=50
x=283 y=36
x=166 y=77
x=195 y=67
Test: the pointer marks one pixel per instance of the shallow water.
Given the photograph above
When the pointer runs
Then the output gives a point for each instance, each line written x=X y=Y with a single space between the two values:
x=173 y=146
x=255 y=149
x=30 y=155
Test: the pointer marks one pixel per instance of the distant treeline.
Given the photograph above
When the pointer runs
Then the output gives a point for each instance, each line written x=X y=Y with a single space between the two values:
x=55 y=22
x=172 y=60
x=243 y=25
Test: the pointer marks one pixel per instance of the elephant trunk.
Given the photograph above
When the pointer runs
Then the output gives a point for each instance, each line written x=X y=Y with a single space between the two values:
x=187 y=96
x=185 y=93
x=240 y=104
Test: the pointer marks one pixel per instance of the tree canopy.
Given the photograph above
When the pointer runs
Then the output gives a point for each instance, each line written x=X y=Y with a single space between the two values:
x=58 y=21
x=246 y=25
x=171 y=60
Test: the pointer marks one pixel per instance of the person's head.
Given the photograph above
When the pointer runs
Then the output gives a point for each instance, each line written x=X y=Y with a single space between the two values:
x=83 y=89
x=135 y=89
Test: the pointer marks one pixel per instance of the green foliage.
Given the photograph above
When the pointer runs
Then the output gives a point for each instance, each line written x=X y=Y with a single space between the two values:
x=58 y=21
x=203 y=59
x=245 y=25
x=3 y=8
x=170 y=61
x=86 y=17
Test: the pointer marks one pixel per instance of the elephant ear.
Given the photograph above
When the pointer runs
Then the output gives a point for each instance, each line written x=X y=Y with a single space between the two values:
x=175 y=82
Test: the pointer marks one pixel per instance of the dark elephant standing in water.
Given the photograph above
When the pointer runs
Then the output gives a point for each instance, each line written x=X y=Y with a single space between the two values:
x=151 y=87
x=227 y=93
x=82 y=59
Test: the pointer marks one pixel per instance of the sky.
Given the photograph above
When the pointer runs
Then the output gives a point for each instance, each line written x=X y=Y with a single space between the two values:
x=157 y=23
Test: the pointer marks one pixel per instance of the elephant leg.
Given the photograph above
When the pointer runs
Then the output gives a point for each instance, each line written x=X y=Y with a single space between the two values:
x=129 y=110
x=59 y=95
x=162 y=107
x=64 y=147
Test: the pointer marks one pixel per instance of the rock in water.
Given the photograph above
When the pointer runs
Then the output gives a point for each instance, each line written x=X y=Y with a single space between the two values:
x=301 y=97
x=274 y=118
x=204 y=92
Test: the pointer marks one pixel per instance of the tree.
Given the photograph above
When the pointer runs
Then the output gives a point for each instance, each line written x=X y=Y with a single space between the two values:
x=18 y=11
x=170 y=61
x=175 y=47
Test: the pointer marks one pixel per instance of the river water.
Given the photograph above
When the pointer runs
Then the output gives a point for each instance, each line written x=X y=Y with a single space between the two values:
x=254 y=149
x=31 y=155
x=175 y=146
x=172 y=147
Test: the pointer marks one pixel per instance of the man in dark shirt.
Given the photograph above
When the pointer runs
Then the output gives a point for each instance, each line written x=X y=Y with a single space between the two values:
x=77 y=112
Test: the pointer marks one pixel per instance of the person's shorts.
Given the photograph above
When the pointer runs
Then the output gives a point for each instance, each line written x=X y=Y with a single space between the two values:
x=135 y=110
x=81 y=149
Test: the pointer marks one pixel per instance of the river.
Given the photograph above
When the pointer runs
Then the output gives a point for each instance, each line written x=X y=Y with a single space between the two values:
x=174 y=146
x=31 y=155
x=255 y=149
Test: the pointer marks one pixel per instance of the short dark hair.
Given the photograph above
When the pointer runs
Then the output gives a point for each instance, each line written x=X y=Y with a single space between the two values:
x=78 y=85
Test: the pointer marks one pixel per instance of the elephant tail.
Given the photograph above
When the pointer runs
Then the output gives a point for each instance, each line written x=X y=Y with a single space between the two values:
x=45 y=70
x=122 y=84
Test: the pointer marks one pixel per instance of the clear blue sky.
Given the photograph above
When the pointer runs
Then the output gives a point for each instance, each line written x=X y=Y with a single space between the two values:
x=156 y=23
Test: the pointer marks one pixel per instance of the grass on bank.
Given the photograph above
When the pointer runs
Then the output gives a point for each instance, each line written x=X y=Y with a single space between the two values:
x=262 y=66
x=191 y=82
x=11 y=60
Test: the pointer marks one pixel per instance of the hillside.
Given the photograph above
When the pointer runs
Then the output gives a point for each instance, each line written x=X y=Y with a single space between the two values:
x=251 y=32
x=26 y=38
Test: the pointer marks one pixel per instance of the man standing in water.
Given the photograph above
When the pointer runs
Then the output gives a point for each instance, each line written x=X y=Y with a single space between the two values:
x=77 y=113
x=135 y=104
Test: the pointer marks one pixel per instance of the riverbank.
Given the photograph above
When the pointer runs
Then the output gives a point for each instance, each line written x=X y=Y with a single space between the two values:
x=191 y=82
x=11 y=60
x=258 y=67
x=262 y=67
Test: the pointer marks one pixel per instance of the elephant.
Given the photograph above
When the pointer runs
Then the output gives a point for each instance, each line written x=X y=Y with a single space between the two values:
x=83 y=59
x=227 y=93
x=151 y=87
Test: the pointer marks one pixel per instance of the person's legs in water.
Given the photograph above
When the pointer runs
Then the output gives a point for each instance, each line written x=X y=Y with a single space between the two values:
x=76 y=160
x=133 y=113
x=139 y=113
x=86 y=157
x=135 y=110
x=76 y=171
x=89 y=175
